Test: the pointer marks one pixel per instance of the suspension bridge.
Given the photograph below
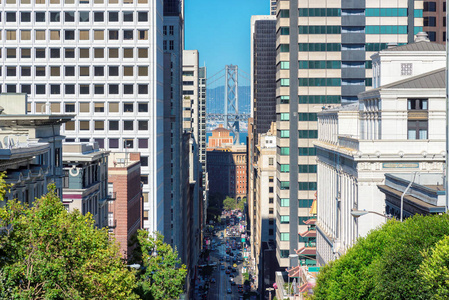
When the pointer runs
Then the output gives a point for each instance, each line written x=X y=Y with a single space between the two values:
x=228 y=99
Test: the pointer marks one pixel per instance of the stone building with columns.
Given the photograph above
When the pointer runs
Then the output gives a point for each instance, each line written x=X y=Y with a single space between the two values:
x=394 y=128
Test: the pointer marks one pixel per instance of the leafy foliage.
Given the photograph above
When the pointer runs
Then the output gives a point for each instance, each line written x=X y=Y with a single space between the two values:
x=385 y=264
x=49 y=253
x=229 y=203
x=163 y=276
x=241 y=204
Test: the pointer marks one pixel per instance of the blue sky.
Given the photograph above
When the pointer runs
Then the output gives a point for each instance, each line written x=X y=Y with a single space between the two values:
x=220 y=31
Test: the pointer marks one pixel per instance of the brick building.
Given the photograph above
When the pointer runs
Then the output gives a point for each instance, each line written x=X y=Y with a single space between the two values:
x=227 y=171
x=126 y=213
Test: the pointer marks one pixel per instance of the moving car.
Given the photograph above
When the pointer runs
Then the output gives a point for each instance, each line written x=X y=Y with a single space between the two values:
x=229 y=291
x=228 y=271
x=212 y=280
x=222 y=267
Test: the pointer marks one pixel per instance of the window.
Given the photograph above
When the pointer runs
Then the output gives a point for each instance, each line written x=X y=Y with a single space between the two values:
x=84 y=71
x=26 y=53
x=55 y=89
x=142 y=16
x=128 y=125
x=25 y=17
x=285 y=219
x=128 y=53
x=98 y=16
x=69 y=71
x=70 y=89
x=284 y=133
x=55 y=71
x=55 y=16
x=142 y=71
x=69 y=53
x=99 y=89
x=430 y=6
x=55 y=35
x=40 y=16
x=11 y=35
x=113 y=143
x=284 y=168
x=128 y=89
x=100 y=143
x=270 y=161
x=172 y=45
x=84 y=89
x=11 y=53
x=128 y=143
x=113 y=35
x=84 y=53
x=285 y=236
x=99 y=35
x=113 y=125
x=55 y=53
x=99 y=71
x=84 y=107
x=84 y=16
x=69 y=16
x=25 y=35
x=98 y=53
x=40 y=52
x=113 y=16
x=99 y=125
x=307 y=168
x=143 y=144
x=271 y=200
x=142 y=52
x=113 y=71
x=55 y=107
x=285 y=202
x=406 y=68
x=127 y=16
x=84 y=35
x=143 y=125
x=40 y=89
x=270 y=189
x=127 y=35
x=10 y=88
x=143 y=107
x=113 y=89
x=113 y=107
x=128 y=107
x=40 y=71
x=305 y=203
x=143 y=89
x=69 y=35
x=171 y=30
x=417 y=130
x=127 y=71
x=10 y=16
x=284 y=151
x=417 y=104
x=70 y=125
x=99 y=107
x=26 y=71
x=143 y=159
x=143 y=35
x=113 y=52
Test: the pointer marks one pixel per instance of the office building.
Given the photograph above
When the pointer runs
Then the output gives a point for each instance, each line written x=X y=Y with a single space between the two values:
x=434 y=20
x=394 y=129
x=102 y=62
x=30 y=149
x=273 y=7
x=202 y=145
x=85 y=183
x=263 y=73
x=323 y=57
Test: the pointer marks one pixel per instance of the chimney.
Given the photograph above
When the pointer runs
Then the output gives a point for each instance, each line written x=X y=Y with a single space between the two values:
x=421 y=37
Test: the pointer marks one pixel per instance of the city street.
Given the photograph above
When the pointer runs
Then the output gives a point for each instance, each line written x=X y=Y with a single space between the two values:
x=219 y=289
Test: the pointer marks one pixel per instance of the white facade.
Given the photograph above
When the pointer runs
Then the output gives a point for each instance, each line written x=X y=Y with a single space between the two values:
x=357 y=144
x=101 y=60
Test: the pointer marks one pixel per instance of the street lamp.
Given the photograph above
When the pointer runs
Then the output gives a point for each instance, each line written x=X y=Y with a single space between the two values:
x=269 y=292
x=358 y=213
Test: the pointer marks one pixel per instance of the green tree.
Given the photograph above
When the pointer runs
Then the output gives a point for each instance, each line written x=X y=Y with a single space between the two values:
x=49 y=253
x=241 y=204
x=435 y=270
x=384 y=264
x=163 y=276
x=229 y=203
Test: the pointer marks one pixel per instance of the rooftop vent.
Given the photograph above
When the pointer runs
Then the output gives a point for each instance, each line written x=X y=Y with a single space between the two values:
x=421 y=37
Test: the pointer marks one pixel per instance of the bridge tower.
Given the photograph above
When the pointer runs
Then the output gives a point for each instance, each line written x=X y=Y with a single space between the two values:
x=231 y=113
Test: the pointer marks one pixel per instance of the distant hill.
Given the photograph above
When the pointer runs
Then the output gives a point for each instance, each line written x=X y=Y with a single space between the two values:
x=215 y=99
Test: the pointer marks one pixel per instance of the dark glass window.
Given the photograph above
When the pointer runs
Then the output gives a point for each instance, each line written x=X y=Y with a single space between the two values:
x=113 y=71
x=69 y=71
x=70 y=89
x=98 y=16
x=113 y=143
x=40 y=89
x=11 y=16
x=142 y=16
x=113 y=16
x=128 y=89
x=40 y=16
x=143 y=107
x=55 y=89
x=55 y=16
x=113 y=125
x=55 y=53
x=128 y=125
x=127 y=16
x=69 y=16
x=25 y=16
x=113 y=89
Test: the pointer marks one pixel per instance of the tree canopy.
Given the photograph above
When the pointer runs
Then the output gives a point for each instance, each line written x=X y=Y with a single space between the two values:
x=400 y=260
x=229 y=203
x=49 y=253
x=163 y=276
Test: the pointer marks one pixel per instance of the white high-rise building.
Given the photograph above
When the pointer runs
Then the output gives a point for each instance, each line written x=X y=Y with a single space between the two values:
x=101 y=60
